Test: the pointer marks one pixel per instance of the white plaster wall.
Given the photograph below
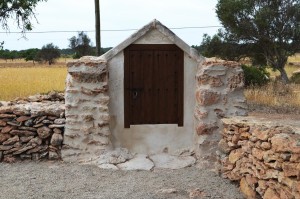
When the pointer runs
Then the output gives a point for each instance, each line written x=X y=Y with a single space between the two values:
x=150 y=138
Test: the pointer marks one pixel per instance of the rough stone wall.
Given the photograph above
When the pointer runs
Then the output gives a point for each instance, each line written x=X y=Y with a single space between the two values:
x=87 y=131
x=219 y=93
x=32 y=128
x=263 y=157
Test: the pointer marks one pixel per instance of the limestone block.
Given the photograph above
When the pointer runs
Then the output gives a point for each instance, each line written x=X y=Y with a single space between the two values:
x=7 y=116
x=35 y=141
x=257 y=153
x=265 y=145
x=204 y=128
x=4 y=137
x=270 y=156
x=103 y=130
x=246 y=145
x=93 y=92
x=7 y=129
x=235 y=81
x=44 y=132
x=220 y=113
x=214 y=69
x=284 y=192
x=22 y=133
x=108 y=166
x=285 y=143
x=213 y=81
x=2 y=123
x=207 y=97
x=84 y=77
x=22 y=150
x=275 y=165
x=270 y=174
x=271 y=194
x=199 y=114
x=291 y=169
x=261 y=135
x=296 y=186
x=5 y=148
x=97 y=140
x=117 y=156
x=22 y=118
x=224 y=147
x=294 y=157
x=247 y=190
x=166 y=161
x=53 y=155
x=235 y=155
x=56 y=139
x=139 y=162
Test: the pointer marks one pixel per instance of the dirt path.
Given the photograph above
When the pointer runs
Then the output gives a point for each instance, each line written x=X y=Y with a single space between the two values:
x=50 y=180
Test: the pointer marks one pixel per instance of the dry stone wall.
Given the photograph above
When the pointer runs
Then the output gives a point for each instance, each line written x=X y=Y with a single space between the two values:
x=263 y=157
x=219 y=94
x=87 y=131
x=32 y=128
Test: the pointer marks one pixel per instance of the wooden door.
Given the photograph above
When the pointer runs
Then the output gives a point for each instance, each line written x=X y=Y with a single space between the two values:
x=153 y=85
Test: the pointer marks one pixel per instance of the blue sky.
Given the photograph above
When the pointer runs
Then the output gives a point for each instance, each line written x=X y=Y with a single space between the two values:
x=78 y=15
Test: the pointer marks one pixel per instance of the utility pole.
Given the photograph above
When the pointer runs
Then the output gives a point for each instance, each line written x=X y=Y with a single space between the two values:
x=97 y=27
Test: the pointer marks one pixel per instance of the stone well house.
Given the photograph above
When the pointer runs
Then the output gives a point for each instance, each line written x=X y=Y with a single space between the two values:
x=152 y=93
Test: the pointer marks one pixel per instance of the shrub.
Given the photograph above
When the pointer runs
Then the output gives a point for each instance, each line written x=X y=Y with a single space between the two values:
x=295 y=78
x=255 y=76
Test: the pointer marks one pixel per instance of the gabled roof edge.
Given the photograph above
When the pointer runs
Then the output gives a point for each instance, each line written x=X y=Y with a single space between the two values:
x=155 y=24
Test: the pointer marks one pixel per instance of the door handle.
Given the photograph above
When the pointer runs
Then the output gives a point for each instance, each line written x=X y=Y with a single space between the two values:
x=135 y=94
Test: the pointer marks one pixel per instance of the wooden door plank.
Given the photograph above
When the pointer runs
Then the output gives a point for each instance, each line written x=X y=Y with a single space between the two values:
x=127 y=103
x=158 y=71
x=147 y=86
x=180 y=87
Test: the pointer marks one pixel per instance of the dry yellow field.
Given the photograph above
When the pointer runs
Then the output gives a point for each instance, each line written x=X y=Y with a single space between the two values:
x=21 y=79
x=275 y=94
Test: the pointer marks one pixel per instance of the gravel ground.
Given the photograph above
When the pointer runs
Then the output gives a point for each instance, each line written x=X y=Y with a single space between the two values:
x=59 y=180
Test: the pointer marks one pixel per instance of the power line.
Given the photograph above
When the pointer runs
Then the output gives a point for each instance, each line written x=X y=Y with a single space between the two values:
x=112 y=30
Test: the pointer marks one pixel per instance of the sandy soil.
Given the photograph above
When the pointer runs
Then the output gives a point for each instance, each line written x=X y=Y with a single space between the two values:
x=51 y=180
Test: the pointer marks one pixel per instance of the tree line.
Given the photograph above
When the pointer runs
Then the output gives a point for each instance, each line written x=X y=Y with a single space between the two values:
x=79 y=46
x=265 y=31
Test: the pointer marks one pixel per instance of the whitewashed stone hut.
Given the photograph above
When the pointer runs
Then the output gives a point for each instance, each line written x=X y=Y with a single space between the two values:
x=152 y=93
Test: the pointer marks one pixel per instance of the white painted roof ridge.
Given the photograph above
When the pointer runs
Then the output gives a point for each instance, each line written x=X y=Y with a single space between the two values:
x=154 y=24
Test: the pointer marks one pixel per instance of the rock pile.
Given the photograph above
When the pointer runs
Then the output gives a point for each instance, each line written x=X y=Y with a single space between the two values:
x=264 y=158
x=32 y=128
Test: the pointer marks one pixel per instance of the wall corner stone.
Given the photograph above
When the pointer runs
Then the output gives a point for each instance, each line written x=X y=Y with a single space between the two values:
x=87 y=131
x=219 y=94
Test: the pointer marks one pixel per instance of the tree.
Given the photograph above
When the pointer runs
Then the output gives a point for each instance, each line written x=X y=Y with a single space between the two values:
x=268 y=28
x=49 y=53
x=97 y=26
x=31 y=55
x=230 y=50
x=5 y=54
x=21 y=11
x=81 y=45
